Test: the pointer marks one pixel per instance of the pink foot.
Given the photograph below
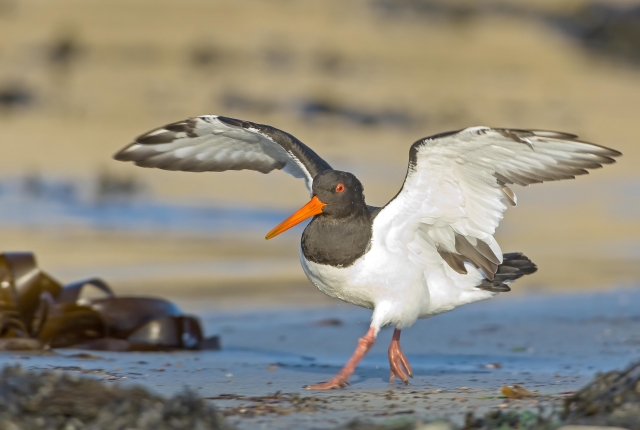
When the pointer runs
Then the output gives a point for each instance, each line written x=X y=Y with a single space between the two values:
x=334 y=384
x=340 y=380
x=398 y=362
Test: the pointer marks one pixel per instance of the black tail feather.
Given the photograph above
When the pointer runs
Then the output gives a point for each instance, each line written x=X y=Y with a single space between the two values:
x=514 y=265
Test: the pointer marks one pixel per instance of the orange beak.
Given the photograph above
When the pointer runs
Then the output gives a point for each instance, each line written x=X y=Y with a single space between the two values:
x=314 y=207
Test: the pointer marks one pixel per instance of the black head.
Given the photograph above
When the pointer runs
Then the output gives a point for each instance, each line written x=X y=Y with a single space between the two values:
x=335 y=195
x=342 y=193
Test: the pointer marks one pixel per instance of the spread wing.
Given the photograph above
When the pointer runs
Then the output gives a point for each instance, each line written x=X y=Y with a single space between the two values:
x=211 y=143
x=456 y=188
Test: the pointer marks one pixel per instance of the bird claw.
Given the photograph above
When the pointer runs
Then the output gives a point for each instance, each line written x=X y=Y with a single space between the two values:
x=333 y=384
x=399 y=364
x=397 y=371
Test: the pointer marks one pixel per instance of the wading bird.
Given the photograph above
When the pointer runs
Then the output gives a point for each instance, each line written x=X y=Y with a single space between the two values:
x=427 y=251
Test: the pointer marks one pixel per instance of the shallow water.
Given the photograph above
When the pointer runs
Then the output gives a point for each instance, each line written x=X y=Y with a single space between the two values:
x=62 y=202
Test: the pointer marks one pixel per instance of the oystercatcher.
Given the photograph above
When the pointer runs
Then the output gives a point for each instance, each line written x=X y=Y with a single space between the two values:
x=427 y=251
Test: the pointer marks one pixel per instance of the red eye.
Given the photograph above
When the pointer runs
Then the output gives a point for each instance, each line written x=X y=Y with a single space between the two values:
x=339 y=188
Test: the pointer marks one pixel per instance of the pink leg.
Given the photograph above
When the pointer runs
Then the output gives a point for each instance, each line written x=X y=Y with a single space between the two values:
x=340 y=380
x=398 y=361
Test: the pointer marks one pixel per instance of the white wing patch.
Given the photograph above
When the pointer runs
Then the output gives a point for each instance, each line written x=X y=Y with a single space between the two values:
x=456 y=187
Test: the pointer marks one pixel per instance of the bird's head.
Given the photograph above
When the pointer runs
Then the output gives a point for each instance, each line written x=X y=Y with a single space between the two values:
x=335 y=194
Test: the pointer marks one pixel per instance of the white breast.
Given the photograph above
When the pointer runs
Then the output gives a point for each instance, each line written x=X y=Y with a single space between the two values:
x=397 y=290
x=378 y=280
x=339 y=282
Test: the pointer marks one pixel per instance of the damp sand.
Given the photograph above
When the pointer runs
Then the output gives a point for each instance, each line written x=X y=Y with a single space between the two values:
x=550 y=344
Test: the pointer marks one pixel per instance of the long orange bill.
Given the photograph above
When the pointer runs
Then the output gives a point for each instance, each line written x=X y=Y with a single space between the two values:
x=314 y=207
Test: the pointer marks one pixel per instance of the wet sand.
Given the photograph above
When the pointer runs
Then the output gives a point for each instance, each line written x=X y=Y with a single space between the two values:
x=550 y=344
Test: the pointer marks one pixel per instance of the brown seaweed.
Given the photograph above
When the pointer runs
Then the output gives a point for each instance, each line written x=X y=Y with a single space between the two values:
x=37 y=311
x=611 y=399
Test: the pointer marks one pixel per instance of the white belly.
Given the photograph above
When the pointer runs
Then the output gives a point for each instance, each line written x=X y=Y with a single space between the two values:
x=399 y=291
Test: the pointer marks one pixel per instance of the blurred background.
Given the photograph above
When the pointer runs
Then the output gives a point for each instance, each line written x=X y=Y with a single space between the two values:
x=358 y=81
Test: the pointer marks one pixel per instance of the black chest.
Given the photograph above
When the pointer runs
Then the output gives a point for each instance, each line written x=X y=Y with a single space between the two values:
x=337 y=242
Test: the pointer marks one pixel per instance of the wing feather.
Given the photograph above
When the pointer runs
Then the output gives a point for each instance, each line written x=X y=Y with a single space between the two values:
x=456 y=188
x=211 y=143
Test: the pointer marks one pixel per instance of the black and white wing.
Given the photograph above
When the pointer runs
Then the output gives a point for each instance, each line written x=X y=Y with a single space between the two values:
x=456 y=188
x=211 y=143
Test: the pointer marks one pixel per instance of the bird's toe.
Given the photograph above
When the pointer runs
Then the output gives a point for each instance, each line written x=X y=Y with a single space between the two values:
x=334 y=384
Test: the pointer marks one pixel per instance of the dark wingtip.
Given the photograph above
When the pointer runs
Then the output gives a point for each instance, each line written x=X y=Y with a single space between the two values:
x=178 y=127
x=120 y=155
x=494 y=287
x=234 y=121
x=166 y=136
x=519 y=261
x=614 y=153
x=514 y=266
